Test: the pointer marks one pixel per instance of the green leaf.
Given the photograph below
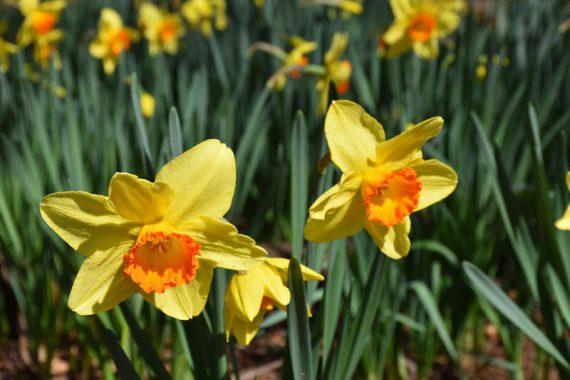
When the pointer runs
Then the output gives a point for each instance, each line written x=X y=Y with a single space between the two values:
x=299 y=335
x=143 y=137
x=124 y=366
x=299 y=183
x=492 y=293
x=175 y=133
x=430 y=306
x=152 y=361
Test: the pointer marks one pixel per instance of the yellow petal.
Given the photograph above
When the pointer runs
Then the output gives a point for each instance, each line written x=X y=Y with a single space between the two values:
x=110 y=19
x=100 y=284
x=244 y=331
x=337 y=213
x=86 y=221
x=221 y=245
x=274 y=285
x=203 y=180
x=392 y=241
x=438 y=181
x=185 y=301
x=399 y=47
x=109 y=65
x=244 y=294
x=401 y=8
x=97 y=49
x=428 y=49
x=447 y=22
x=564 y=222
x=568 y=180
x=352 y=135
x=397 y=31
x=400 y=150
x=139 y=200
x=283 y=266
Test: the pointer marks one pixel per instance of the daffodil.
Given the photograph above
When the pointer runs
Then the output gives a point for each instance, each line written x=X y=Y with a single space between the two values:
x=40 y=19
x=113 y=38
x=564 y=222
x=160 y=28
x=335 y=70
x=251 y=294
x=7 y=49
x=203 y=13
x=160 y=239
x=383 y=181
x=292 y=61
x=419 y=24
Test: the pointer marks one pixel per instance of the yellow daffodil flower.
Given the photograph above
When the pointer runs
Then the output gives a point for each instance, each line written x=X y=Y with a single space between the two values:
x=147 y=104
x=347 y=7
x=419 y=24
x=160 y=28
x=203 y=13
x=160 y=239
x=40 y=19
x=336 y=71
x=383 y=181
x=112 y=39
x=7 y=49
x=251 y=294
x=295 y=58
x=564 y=222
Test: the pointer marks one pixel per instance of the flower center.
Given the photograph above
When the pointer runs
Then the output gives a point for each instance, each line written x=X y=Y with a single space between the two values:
x=43 y=22
x=421 y=27
x=390 y=197
x=161 y=260
x=167 y=31
x=119 y=42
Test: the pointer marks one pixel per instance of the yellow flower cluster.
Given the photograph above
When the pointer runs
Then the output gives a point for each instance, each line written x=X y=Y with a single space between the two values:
x=163 y=239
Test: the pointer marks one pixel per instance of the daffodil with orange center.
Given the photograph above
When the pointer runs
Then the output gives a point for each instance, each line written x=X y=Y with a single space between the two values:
x=383 y=181
x=160 y=239
x=40 y=20
x=161 y=29
x=296 y=58
x=564 y=222
x=336 y=71
x=204 y=14
x=113 y=38
x=251 y=294
x=420 y=24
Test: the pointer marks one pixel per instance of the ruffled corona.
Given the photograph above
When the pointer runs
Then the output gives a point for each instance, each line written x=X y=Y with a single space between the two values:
x=43 y=22
x=390 y=197
x=161 y=260
x=120 y=41
x=421 y=27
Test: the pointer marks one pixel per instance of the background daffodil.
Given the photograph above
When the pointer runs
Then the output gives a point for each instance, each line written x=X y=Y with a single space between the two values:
x=419 y=24
x=40 y=19
x=564 y=222
x=161 y=239
x=336 y=71
x=112 y=39
x=383 y=181
x=295 y=58
x=161 y=29
x=203 y=13
x=251 y=294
